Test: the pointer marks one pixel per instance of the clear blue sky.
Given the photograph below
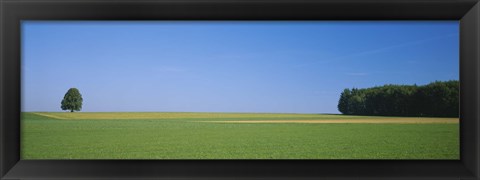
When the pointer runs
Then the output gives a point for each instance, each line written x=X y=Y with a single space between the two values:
x=289 y=67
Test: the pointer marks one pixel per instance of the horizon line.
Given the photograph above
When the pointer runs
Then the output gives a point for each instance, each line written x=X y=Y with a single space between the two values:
x=171 y=112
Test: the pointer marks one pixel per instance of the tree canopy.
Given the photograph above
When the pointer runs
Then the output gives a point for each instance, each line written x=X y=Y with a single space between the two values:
x=437 y=99
x=72 y=100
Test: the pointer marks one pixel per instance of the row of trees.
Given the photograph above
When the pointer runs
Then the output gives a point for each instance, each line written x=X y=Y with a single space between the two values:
x=437 y=99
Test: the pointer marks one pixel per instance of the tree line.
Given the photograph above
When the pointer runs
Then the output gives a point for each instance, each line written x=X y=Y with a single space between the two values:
x=437 y=99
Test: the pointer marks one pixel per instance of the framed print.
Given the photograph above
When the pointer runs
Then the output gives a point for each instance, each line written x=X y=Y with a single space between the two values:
x=239 y=89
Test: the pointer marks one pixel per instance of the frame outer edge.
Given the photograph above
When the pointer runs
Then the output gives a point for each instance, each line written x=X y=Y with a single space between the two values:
x=475 y=15
x=470 y=36
x=476 y=9
x=9 y=155
x=2 y=127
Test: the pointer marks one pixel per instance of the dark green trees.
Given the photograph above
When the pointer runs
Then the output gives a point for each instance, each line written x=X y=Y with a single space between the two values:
x=72 y=100
x=437 y=99
x=343 y=103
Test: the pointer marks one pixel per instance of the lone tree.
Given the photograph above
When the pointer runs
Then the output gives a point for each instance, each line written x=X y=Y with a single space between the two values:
x=72 y=100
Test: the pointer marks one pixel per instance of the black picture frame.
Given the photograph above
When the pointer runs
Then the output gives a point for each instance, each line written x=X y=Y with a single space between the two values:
x=12 y=12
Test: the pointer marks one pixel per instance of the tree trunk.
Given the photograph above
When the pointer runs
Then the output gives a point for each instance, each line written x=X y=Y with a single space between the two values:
x=71 y=110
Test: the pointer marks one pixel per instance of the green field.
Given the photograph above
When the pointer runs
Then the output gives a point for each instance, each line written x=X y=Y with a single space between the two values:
x=83 y=135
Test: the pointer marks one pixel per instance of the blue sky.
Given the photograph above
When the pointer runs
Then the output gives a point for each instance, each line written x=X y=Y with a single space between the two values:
x=207 y=66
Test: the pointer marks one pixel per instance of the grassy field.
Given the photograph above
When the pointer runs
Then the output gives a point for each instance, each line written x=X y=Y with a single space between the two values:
x=83 y=135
